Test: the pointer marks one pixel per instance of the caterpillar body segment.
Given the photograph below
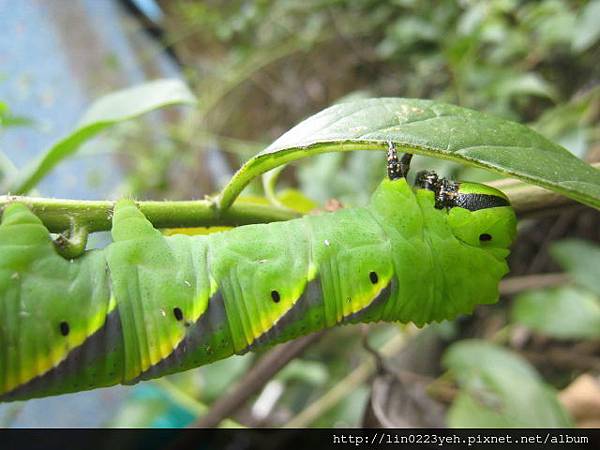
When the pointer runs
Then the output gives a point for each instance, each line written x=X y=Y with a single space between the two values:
x=148 y=305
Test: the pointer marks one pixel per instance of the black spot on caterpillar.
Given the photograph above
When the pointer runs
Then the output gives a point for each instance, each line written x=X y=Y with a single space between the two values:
x=380 y=256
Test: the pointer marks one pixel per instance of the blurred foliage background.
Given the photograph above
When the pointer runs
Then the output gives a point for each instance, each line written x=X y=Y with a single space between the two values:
x=258 y=68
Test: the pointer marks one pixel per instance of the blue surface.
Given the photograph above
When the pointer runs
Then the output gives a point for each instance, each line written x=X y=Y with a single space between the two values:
x=50 y=72
x=55 y=58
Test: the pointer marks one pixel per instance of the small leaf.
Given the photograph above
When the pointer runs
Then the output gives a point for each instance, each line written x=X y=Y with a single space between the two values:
x=15 y=121
x=587 y=32
x=428 y=128
x=499 y=389
x=472 y=355
x=269 y=182
x=310 y=372
x=566 y=313
x=296 y=201
x=560 y=121
x=526 y=84
x=581 y=259
x=8 y=120
x=576 y=141
x=7 y=168
x=105 y=112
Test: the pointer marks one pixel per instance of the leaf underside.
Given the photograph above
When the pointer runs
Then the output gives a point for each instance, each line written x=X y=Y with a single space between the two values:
x=429 y=128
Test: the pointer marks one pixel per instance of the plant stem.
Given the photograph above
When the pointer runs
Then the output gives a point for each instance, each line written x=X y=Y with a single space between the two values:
x=514 y=285
x=58 y=215
x=255 y=379
x=528 y=199
x=348 y=384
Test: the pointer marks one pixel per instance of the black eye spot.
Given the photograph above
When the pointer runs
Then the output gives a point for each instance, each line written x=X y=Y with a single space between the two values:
x=64 y=328
x=275 y=296
x=373 y=277
x=178 y=313
x=485 y=237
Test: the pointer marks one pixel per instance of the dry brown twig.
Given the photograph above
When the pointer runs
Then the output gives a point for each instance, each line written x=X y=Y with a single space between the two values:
x=255 y=379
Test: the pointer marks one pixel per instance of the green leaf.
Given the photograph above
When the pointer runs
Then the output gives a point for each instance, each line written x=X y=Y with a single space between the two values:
x=107 y=111
x=428 y=128
x=563 y=118
x=581 y=259
x=564 y=313
x=526 y=84
x=295 y=200
x=587 y=32
x=310 y=372
x=7 y=168
x=8 y=120
x=292 y=199
x=499 y=389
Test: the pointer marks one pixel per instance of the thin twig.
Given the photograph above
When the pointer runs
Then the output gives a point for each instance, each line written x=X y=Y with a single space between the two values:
x=530 y=200
x=558 y=228
x=563 y=358
x=255 y=380
x=379 y=362
x=514 y=285
x=442 y=390
x=58 y=214
x=346 y=385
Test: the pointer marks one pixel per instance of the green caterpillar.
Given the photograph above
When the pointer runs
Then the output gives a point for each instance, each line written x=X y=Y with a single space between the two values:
x=148 y=305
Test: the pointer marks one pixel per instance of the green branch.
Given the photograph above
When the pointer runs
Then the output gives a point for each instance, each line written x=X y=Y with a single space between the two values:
x=61 y=215
x=528 y=199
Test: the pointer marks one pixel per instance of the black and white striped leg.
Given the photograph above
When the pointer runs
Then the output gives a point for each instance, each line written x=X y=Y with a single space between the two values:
x=427 y=179
x=397 y=168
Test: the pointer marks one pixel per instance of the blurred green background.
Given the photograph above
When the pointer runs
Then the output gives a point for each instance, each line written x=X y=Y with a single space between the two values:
x=259 y=67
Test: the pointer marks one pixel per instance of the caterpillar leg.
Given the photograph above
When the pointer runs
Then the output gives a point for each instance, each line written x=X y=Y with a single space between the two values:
x=397 y=168
x=449 y=193
x=427 y=179
x=445 y=190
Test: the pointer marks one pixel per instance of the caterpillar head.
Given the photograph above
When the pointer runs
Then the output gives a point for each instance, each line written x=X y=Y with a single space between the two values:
x=482 y=217
x=478 y=215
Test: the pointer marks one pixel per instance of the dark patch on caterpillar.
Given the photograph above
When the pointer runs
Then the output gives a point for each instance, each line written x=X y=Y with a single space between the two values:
x=381 y=297
x=474 y=202
x=311 y=296
x=373 y=277
x=275 y=296
x=64 y=328
x=95 y=348
x=198 y=336
x=484 y=237
x=178 y=314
